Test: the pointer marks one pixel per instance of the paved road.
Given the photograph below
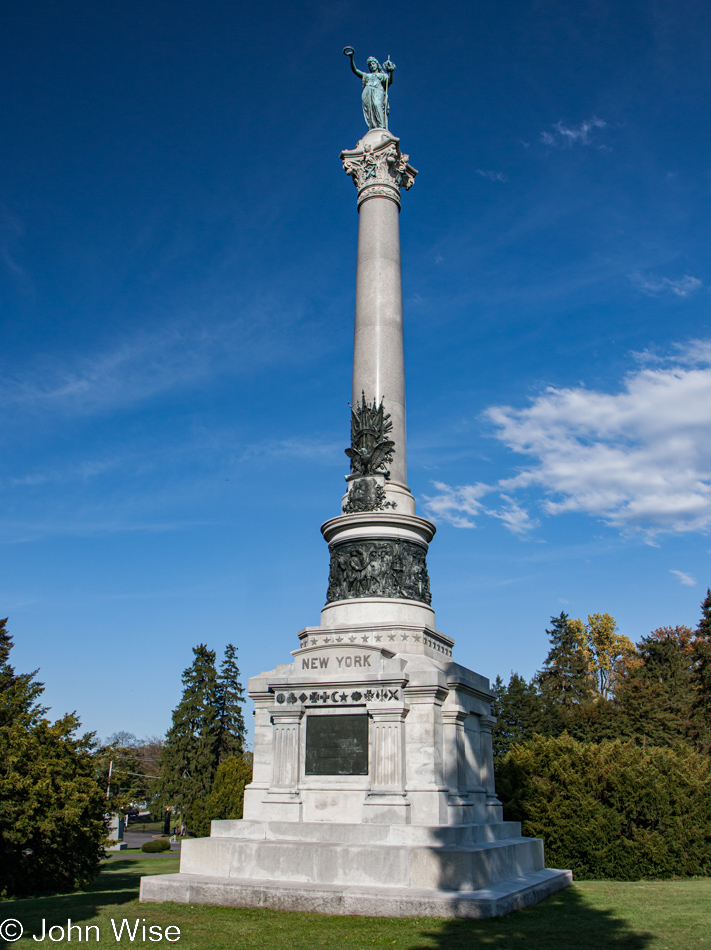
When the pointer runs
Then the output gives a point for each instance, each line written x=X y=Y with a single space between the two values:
x=134 y=839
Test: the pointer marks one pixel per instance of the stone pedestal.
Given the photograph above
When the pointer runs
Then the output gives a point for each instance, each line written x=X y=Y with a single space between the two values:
x=115 y=833
x=373 y=787
x=398 y=818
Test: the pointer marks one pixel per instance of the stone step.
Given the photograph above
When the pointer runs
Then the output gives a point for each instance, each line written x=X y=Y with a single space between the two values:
x=450 y=866
x=492 y=901
x=436 y=835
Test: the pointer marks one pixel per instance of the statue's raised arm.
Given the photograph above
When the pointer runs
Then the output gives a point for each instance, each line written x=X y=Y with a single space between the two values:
x=375 y=81
x=350 y=52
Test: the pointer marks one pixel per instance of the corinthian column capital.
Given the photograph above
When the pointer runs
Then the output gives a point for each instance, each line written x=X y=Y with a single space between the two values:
x=378 y=168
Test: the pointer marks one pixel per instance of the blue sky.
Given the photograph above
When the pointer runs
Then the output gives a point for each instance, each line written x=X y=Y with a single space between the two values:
x=177 y=263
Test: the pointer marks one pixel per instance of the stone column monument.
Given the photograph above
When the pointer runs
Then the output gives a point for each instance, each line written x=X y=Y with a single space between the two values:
x=373 y=787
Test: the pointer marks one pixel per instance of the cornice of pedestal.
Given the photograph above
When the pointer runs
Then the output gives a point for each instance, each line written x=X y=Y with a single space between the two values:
x=378 y=168
x=380 y=523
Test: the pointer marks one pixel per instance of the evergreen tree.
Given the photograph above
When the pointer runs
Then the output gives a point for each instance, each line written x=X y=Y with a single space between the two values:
x=593 y=721
x=52 y=825
x=191 y=753
x=19 y=691
x=566 y=679
x=611 y=809
x=226 y=800
x=655 y=692
x=518 y=709
x=567 y=675
x=701 y=678
x=230 y=698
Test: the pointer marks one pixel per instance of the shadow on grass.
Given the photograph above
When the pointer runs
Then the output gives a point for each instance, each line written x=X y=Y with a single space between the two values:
x=117 y=884
x=565 y=921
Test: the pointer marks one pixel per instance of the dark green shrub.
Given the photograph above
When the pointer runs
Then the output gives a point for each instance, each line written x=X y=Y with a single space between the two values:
x=226 y=798
x=613 y=809
x=52 y=827
x=155 y=846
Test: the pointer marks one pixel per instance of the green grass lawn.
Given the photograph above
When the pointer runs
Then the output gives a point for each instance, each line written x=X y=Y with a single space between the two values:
x=592 y=915
x=143 y=826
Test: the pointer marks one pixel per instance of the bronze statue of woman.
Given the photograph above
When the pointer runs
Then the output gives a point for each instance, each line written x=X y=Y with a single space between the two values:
x=375 y=89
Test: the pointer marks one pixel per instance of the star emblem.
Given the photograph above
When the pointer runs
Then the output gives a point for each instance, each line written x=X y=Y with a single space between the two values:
x=364 y=638
x=378 y=638
x=391 y=636
x=404 y=636
x=344 y=697
x=326 y=639
x=352 y=639
x=338 y=639
x=416 y=637
x=314 y=641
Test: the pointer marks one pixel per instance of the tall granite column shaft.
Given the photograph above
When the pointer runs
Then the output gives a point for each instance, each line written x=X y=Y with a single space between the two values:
x=378 y=544
x=379 y=170
x=378 y=355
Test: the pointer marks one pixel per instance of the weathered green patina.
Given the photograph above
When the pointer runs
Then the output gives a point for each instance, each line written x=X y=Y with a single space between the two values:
x=376 y=82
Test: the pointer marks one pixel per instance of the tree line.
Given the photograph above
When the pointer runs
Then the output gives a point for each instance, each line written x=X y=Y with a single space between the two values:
x=595 y=684
x=197 y=772
x=606 y=752
x=59 y=786
x=204 y=766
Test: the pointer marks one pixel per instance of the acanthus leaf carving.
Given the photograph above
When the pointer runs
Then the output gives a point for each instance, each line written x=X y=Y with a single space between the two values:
x=381 y=168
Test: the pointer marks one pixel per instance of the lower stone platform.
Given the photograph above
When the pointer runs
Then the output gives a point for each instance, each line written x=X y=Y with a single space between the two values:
x=475 y=870
x=494 y=901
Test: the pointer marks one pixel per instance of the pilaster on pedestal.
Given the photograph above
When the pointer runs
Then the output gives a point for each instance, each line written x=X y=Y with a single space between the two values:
x=287 y=746
x=387 y=802
x=453 y=719
x=493 y=805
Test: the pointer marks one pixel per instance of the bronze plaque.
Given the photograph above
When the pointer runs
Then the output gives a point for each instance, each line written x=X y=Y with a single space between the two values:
x=337 y=745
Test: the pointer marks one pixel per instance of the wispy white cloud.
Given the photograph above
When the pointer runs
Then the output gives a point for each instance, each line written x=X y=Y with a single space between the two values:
x=567 y=136
x=653 y=286
x=638 y=459
x=11 y=230
x=148 y=363
x=686 y=579
x=82 y=471
x=513 y=516
x=459 y=505
x=25 y=532
x=456 y=506
x=129 y=373
x=492 y=176
x=323 y=452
